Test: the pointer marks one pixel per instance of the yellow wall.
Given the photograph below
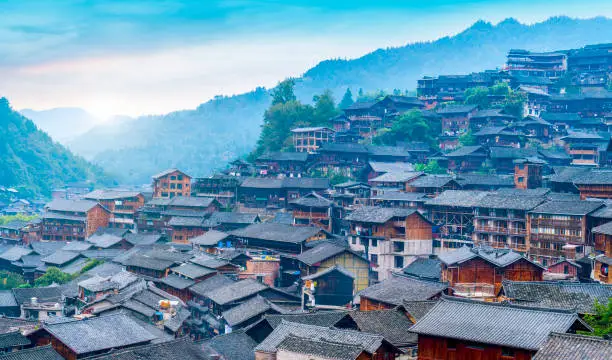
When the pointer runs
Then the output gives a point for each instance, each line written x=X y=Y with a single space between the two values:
x=353 y=263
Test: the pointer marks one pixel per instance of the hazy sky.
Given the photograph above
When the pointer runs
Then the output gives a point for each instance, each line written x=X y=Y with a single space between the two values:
x=140 y=57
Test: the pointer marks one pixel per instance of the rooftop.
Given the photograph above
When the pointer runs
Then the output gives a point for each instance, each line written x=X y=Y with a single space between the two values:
x=458 y=198
x=396 y=289
x=77 y=206
x=574 y=347
x=576 y=207
x=235 y=291
x=277 y=232
x=378 y=215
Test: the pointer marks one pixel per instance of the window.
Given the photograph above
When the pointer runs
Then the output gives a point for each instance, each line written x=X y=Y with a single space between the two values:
x=374 y=242
x=398 y=246
x=354 y=240
x=565 y=269
x=172 y=177
x=451 y=344
x=374 y=259
x=398 y=261
x=179 y=186
x=521 y=179
x=507 y=352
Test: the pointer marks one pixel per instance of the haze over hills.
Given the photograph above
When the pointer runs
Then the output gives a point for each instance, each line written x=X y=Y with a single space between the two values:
x=221 y=129
x=32 y=162
x=62 y=124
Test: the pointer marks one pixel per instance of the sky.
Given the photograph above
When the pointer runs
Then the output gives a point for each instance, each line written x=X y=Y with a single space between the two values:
x=136 y=57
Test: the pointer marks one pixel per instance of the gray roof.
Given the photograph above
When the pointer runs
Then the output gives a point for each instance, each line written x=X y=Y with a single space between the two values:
x=496 y=324
x=506 y=152
x=493 y=180
x=179 y=349
x=387 y=151
x=177 y=282
x=9 y=324
x=424 y=268
x=192 y=271
x=47 y=247
x=320 y=348
x=397 y=176
x=15 y=253
x=38 y=353
x=392 y=324
x=465 y=151
x=143 y=238
x=84 y=336
x=277 y=232
x=458 y=198
x=60 y=216
x=567 y=174
x=7 y=299
x=579 y=297
x=272 y=183
x=186 y=221
x=14 y=225
x=577 y=207
x=396 y=289
x=284 y=156
x=209 y=261
x=79 y=206
x=378 y=215
x=324 y=272
x=43 y=294
x=104 y=240
x=236 y=345
x=147 y=262
x=13 y=339
x=104 y=194
x=236 y=291
x=204 y=287
x=320 y=252
x=318 y=318
x=167 y=172
x=495 y=201
x=102 y=283
x=249 y=309
x=210 y=238
x=385 y=167
x=574 y=347
x=431 y=181
x=400 y=196
x=77 y=246
x=219 y=217
x=369 y=342
x=60 y=257
x=418 y=308
x=605 y=229
x=312 y=200
x=594 y=178
x=191 y=201
x=456 y=109
x=497 y=257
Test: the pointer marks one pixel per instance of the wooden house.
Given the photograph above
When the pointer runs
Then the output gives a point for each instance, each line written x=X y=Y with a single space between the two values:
x=478 y=272
x=485 y=182
x=489 y=117
x=466 y=329
x=275 y=236
x=594 y=184
x=432 y=185
x=68 y=220
x=456 y=118
x=269 y=193
x=498 y=136
x=333 y=286
x=13 y=232
x=327 y=255
x=184 y=228
x=390 y=238
x=399 y=199
x=312 y=209
x=345 y=158
x=503 y=157
x=377 y=168
x=149 y=266
x=500 y=220
x=171 y=183
x=559 y=229
x=528 y=173
x=535 y=128
x=466 y=158
x=222 y=187
x=123 y=206
x=291 y=164
x=586 y=148
x=563 y=270
x=603 y=248
x=395 y=180
x=309 y=139
x=393 y=154
x=397 y=289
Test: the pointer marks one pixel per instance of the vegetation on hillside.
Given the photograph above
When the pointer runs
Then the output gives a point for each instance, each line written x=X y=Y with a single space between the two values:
x=8 y=218
x=411 y=126
x=601 y=321
x=32 y=163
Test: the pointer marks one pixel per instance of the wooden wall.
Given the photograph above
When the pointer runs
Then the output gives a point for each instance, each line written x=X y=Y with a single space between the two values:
x=366 y=304
x=353 y=263
x=434 y=348
x=96 y=217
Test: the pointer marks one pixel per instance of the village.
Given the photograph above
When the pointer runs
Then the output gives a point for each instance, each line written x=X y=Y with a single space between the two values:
x=493 y=243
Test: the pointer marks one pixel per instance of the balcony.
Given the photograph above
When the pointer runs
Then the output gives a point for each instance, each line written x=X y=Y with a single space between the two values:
x=545 y=252
x=474 y=290
x=501 y=230
x=309 y=215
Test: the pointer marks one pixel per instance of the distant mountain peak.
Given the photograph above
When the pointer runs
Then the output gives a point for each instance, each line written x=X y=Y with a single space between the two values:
x=509 y=22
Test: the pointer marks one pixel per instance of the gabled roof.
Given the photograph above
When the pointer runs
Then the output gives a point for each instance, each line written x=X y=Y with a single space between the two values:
x=574 y=347
x=322 y=349
x=77 y=246
x=70 y=205
x=497 y=201
x=147 y=262
x=399 y=196
x=219 y=217
x=284 y=156
x=210 y=238
x=418 y=308
x=15 y=253
x=43 y=294
x=605 y=229
x=385 y=167
x=496 y=324
x=192 y=271
x=369 y=342
x=236 y=291
x=179 y=349
x=104 y=241
x=143 y=238
x=497 y=257
x=579 y=297
x=458 y=198
x=13 y=339
x=168 y=172
x=456 y=109
x=277 y=232
x=507 y=152
x=378 y=215
x=235 y=345
x=431 y=181
x=312 y=200
x=186 y=221
x=60 y=257
x=374 y=150
x=104 y=194
x=99 y=333
x=400 y=176
x=249 y=309
x=320 y=252
x=466 y=151
x=594 y=178
x=177 y=282
x=344 y=148
x=47 y=247
x=14 y=225
x=45 y=352
x=335 y=268
x=209 y=261
x=424 y=268
x=576 y=207
x=392 y=324
x=273 y=183
x=560 y=117
x=396 y=289
x=206 y=286
x=318 y=318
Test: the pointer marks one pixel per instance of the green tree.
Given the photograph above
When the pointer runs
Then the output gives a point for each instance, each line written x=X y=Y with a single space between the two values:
x=347 y=99
x=53 y=276
x=477 y=96
x=601 y=321
x=467 y=139
x=411 y=126
x=91 y=263
x=9 y=280
x=432 y=167
x=324 y=109
x=515 y=104
x=8 y=218
x=500 y=89
x=284 y=92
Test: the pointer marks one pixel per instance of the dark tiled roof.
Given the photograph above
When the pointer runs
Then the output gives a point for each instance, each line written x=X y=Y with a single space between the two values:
x=400 y=196
x=84 y=336
x=210 y=238
x=177 y=282
x=77 y=246
x=324 y=272
x=566 y=174
x=564 y=117
x=320 y=348
x=186 y=221
x=369 y=342
x=209 y=261
x=417 y=309
x=232 y=218
x=60 y=257
x=104 y=240
x=506 y=152
x=398 y=288
x=574 y=347
x=465 y=151
x=318 y=318
x=378 y=215
x=45 y=248
x=471 y=179
x=203 y=288
x=277 y=232
x=497 y=257
x=456 y=109
x=320 y=252
x=424 y=268
x=397 y=176
x=38 y=353
x=179 y=349
x=580 y=297
x=7 y=299
x=578 y=207
x=496 y=324
x=431 y=181
x=110 y=194
x=235 y=345
x=552 y=154
x=344 y=148
x=143 y=238
x=15 y=253
x=147 y=262
x=299 y=183
x=167 y=172
x=14 y=225
x=71 y=205
x=284 y=156
x=494 y=201
x=594 y=178
x=248 y=310
x=603 y=229
x=236 y=291
x=458 y=198
x=13 y=339
x=312 y=200
x=385 y=167
x=43 y=294
x=387 y=151
x=392 y=324
x=193 y=271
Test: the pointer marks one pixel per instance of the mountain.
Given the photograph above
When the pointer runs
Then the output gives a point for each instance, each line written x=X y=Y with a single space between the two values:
x=203 y=139
x=31 y=162
x=62 y=124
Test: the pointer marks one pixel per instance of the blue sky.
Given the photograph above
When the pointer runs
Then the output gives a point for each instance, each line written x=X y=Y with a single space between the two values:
x=135 y=57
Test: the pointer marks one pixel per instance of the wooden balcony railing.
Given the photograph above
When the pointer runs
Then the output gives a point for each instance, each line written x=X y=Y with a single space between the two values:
x=474 y=290
x=501 y=230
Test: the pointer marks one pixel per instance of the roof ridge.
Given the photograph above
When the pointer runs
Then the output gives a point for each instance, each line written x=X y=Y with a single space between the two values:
x=505 y=305
x=585 y=337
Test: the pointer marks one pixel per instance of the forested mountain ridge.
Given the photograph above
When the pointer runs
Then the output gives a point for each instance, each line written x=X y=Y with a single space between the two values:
x=203 y=139
x=62 y=124
x=32 y=162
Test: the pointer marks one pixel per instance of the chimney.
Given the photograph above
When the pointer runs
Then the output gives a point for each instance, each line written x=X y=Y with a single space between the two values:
x=34 y=301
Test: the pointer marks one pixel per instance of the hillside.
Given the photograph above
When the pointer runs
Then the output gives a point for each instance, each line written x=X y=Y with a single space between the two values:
x=62 y=124
x=31 y=162
x=203 y=139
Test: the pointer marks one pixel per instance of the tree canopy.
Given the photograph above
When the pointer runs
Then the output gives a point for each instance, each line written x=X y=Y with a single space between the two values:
x=53 y=276
x=411 y=126
x=347 y=99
